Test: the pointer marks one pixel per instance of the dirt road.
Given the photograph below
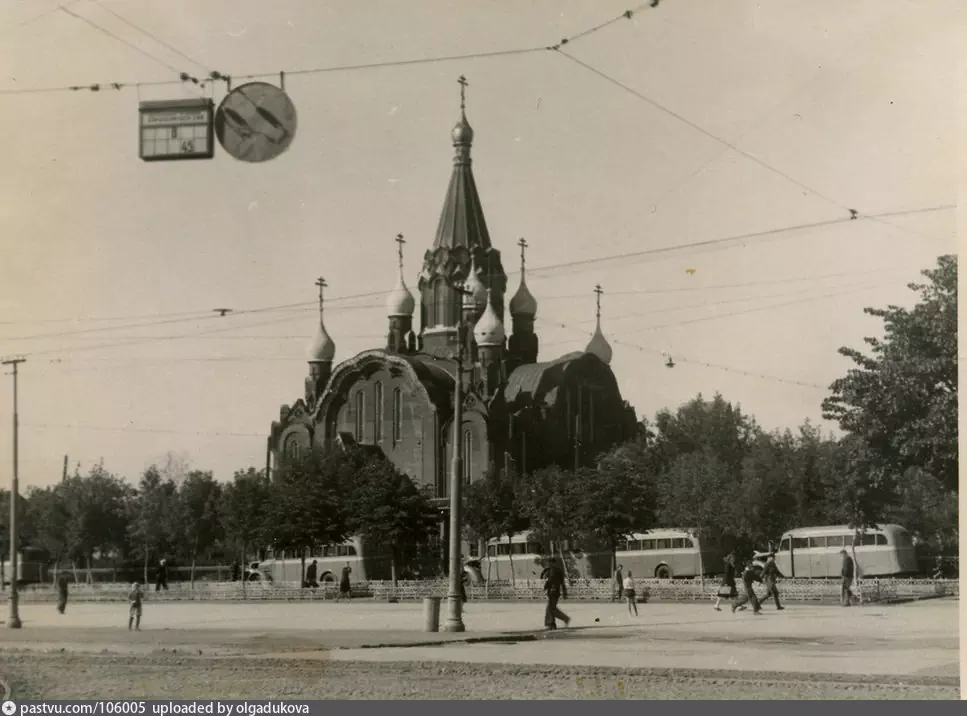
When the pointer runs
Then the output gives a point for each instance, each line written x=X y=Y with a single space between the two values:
x=172 y=676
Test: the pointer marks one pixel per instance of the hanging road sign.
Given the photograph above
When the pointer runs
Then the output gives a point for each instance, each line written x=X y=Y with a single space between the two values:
x=176 y=129
x=255 y=122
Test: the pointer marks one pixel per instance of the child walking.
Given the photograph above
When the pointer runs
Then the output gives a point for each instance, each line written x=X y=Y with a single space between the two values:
x=135 y=597
x=629 y=587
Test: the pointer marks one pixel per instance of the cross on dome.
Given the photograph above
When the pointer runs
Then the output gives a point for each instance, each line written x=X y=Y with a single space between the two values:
x=523 y=303
x=322 y=348
x=400 y=301
x=598 y=344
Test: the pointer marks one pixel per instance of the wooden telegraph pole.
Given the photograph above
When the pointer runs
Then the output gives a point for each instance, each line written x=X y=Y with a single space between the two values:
x=13 y=621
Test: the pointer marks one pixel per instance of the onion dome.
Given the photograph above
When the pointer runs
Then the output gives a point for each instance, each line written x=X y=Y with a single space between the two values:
x=599 y=346
x=523 y=303
x=462 y=133
x=322 y=348
x=489 y=330
x=400 y=302
x=475 y=293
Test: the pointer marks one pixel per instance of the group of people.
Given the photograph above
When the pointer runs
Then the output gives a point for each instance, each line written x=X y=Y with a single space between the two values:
x=345 y=588
x=765 y=573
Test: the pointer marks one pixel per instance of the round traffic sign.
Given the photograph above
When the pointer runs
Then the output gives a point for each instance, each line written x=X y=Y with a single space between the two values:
x=255 y=122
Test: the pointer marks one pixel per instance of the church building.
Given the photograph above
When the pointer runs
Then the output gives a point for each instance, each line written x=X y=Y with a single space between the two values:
x=519 y=412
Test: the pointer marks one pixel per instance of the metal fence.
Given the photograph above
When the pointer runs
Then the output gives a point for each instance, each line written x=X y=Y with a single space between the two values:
x=673 y=590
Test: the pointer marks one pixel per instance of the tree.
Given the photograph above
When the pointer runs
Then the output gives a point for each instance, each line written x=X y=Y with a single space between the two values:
x=96 y=508
x=492 y=508
x=928 y=510
x=387 y=509
x=550 y=499
x=245 y=504
x=902 y=398
x=155 y=517
x=200 y=497
x=48 y=518
x=618 y=498
x=305 y=506
x=864 y=487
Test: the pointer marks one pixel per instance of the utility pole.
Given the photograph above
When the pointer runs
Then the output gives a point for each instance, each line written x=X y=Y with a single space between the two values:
x=454 y=622
x=13 y=621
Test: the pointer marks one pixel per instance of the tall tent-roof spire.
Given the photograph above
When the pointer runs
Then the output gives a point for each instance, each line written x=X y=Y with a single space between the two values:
x=322 y=348
x=523 y=303
x=462 y=219
x=400 y=301
x=598 y=345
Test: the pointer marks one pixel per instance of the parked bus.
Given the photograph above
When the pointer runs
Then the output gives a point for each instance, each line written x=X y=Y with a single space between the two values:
x=286 y=566
x=32 y=567
x=814 y=552
x=664 y=553
x=670 y=553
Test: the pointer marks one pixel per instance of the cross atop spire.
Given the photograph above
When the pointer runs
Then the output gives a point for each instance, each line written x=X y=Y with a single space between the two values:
x=400 y=241
x=321 y=283
x=522 y=242
x=598 y=290
x=462 y=81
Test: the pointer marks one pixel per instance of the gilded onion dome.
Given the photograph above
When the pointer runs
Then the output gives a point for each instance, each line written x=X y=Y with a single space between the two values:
x=489 y=330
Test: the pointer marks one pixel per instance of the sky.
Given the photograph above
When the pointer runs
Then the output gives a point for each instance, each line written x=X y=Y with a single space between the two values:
x=669 y=157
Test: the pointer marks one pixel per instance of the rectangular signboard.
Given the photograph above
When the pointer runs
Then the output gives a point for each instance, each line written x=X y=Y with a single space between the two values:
x=176 y=129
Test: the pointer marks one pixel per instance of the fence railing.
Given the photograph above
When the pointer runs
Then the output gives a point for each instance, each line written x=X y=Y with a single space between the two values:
x=673 y=590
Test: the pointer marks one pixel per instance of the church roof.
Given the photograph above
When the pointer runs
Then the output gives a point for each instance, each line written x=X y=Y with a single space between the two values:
x=462 y=219
x=529 y=382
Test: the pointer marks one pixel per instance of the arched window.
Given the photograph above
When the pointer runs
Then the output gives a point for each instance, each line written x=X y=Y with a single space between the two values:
x=292 y=448
x=360 y=415
x=467 y=456
x=397 y=415
x=378 y=417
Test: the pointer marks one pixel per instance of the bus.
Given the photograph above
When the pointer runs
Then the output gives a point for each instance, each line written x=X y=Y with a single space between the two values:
x=32 y=567
x=814 y=552
x=669 y=553
x=662 y=553
x=286 y=566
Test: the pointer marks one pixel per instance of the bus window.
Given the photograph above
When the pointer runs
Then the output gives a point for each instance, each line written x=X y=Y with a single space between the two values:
x=474 y=550
x=688 y=543
x=503 y=550
x=834 y=541
x=848 y=541
x=784 y=545
x=520 y=548
x=881 y=540
x=664 y=544
x=815 y=542
x=869 y=540
x=622 y=546
x=678 y=543
x=646 y=544
x=533 y=548
x=491 y=550
x=800 y=543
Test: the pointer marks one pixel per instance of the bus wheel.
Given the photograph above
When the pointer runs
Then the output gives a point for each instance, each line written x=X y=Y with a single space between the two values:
x=663 y=572
x=328 y=577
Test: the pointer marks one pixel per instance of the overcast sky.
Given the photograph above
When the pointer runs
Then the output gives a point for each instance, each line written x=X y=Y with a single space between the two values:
x=840 y=105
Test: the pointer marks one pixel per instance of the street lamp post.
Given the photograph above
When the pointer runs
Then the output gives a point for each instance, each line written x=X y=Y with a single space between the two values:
x=454 y=622
x=13 y=621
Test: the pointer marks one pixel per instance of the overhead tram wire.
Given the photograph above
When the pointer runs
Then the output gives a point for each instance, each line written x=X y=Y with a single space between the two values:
x=854 y=214
x=303 y=71
x=150 y=35
x=206 y=316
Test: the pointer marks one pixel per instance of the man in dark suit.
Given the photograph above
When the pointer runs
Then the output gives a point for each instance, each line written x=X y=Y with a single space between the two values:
x=555 y=585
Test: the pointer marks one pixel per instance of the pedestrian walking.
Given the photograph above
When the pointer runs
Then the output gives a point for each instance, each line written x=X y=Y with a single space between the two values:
x=846 y=572
x=311 y=572
x=135 y=598
x=749 y=575
x=629 y=591
x=770 y=577
x=727 y=588
x=62 y=593
x=161 y=578
x=618 y=584
x=345 y=589
x=555 y=586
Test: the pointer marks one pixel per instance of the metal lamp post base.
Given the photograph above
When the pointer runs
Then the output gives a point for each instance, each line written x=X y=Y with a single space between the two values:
x=454 y=622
